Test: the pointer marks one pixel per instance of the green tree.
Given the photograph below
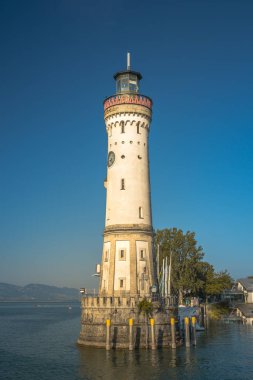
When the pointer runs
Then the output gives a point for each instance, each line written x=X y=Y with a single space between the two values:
x=186 y=255
x=190 y=274
x=217 y=282
x=214 y=283
x=205 y=274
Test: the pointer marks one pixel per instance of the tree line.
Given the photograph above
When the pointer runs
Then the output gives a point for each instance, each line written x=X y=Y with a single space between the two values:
x=190 y=275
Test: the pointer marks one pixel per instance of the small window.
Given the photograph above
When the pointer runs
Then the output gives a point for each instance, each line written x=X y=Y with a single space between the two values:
x=122 y=254
x=138 y=128
x=140 y=212
x=106 y=255
x=123 y=156
x=139 y=157
x=122 y=184
x=142 y=254
x=122 y=283
x=122 y=127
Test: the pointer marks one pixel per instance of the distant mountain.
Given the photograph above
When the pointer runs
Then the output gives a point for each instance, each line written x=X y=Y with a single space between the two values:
x=37 y=292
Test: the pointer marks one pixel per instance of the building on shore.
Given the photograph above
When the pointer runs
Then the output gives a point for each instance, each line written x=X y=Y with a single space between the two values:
x=245 y=310
x=245 y=285
x=128 y=272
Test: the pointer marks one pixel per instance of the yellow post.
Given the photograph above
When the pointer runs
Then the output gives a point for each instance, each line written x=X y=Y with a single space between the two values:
x=194 y=338
x=108 y=333
x=173 y=333
x=131 y=346
x=152 y=324
x=187 y=332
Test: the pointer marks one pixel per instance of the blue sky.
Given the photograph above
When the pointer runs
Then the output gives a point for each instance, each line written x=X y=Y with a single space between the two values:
x=57 y=64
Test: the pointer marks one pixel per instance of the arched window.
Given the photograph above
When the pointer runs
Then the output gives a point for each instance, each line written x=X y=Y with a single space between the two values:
x=122 y=127
x=140 y=212
x=122 y=184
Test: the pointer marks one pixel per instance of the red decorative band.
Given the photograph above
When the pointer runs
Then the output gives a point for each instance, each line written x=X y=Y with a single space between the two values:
x=128 y=99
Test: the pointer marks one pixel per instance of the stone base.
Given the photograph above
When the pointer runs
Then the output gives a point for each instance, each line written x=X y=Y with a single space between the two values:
x=93 y=326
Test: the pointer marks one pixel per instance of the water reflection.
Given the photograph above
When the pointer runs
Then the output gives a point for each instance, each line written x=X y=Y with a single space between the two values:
x=187 y=355
x=39 y=343
x=124 y=364
x=215 y=356
x=173 y=359
x=118 y=364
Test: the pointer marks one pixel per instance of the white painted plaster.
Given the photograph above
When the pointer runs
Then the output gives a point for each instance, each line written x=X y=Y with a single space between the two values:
x=122 y=206
x=122 y=267
x=143 y=283
x=106 y=266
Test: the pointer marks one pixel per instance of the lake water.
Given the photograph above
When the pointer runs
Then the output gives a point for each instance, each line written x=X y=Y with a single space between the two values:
x=38 y=342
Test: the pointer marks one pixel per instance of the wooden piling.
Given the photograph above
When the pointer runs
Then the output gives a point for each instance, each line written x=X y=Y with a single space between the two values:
x=131 y=346
x=152 y=324
x=194 y=339
x=173 y=333
x=187 y=332
x=108 y=335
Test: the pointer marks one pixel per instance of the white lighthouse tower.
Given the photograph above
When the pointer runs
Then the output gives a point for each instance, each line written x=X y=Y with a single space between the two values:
x=113 y=317
x=127 y=260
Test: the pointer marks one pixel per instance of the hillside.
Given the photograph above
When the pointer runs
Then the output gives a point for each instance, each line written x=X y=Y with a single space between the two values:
x=37 y=292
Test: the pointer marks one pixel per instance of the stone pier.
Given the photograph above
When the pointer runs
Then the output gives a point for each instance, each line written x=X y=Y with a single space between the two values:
x=97 y=310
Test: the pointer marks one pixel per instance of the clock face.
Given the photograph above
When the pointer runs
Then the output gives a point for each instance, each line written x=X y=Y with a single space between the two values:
x=111 y=158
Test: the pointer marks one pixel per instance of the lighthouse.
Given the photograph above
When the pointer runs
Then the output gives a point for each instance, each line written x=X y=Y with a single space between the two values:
x=128 y=278
x=128 y=255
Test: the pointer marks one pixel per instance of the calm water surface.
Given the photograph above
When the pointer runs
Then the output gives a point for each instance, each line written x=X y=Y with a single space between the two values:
x=38 y=342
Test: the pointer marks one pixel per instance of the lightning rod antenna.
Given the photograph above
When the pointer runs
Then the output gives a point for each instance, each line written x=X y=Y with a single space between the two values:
x=128 y=61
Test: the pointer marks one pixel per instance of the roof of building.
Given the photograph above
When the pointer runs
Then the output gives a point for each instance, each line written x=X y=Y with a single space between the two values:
x=247 y=283
x=246 y=309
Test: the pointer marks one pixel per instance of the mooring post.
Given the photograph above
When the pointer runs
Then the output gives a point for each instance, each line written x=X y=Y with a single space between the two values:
x=108 y=335
x=194 y=339
x=152 y=324
x=173 y=333
x=187 y=332
x=131 y=346
x=205 y=316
